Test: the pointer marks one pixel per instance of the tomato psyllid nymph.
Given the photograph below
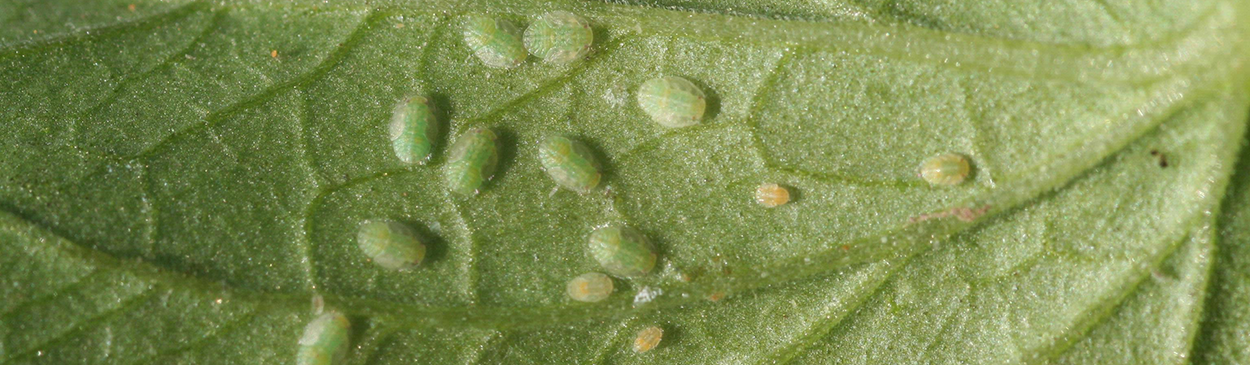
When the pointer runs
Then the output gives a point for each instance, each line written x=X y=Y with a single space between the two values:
x=559 y=37
x=496 y=42
x=946 y=169
x=648 y=339
x=771 y=195
x=413 y=130
x=671 y=101
x=325 y=340
x=390 y=244
x=622 y=251
x=472 y=161
x=590 y=287
x=570 y=163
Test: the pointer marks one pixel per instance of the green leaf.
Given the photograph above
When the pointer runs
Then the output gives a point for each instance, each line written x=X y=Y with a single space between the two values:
x=181 y=180
x=1224 y=325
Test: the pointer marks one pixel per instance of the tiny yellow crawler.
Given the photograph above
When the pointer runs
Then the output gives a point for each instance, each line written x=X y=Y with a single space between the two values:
x=648 y=339
x=590 y=287
x=946 y=169
x=770 y=195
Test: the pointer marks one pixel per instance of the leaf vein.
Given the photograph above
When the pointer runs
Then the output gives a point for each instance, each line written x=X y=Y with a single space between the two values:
x=554 y=84
x=141 y=23
x=304 y=245
x=130 y=80
x=217 y=332
x=334 y=57
x=90 y=322
x=818 y=330
x=1106 y=310
x=50 y=296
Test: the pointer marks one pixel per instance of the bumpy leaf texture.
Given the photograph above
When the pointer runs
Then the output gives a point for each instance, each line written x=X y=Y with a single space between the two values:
x=179 y=179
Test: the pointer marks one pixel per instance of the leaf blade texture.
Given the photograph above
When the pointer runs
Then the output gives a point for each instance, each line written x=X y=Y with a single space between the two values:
x=195 y=172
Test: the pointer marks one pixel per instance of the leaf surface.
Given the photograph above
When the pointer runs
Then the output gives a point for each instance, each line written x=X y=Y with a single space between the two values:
x=181 y=179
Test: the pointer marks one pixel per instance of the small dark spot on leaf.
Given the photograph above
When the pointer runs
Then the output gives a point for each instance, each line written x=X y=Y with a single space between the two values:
x=1162 y=158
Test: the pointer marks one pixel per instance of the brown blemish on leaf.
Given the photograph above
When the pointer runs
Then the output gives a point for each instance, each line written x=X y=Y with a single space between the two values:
x=962 y=213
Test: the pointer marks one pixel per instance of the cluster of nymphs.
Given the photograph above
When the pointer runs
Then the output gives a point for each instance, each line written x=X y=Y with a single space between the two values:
x=559 y=38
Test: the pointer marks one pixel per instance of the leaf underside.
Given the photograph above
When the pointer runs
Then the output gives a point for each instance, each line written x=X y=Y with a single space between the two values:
x=180 y=179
